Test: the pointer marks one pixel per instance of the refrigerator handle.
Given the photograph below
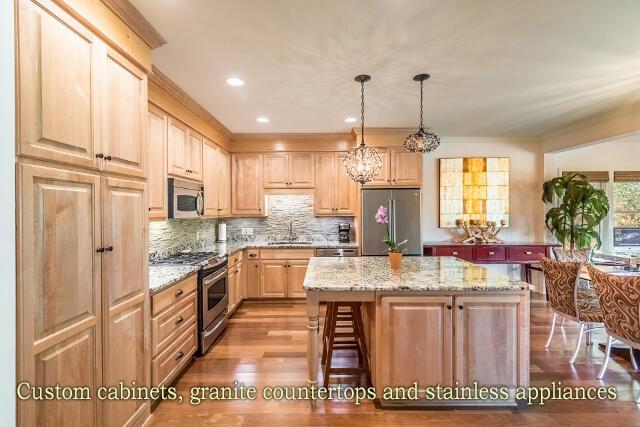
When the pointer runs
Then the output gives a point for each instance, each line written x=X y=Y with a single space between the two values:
x=391 y=224
x=393 y=206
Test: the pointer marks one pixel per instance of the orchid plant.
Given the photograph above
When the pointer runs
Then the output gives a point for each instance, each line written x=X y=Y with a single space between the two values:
x=382 y=217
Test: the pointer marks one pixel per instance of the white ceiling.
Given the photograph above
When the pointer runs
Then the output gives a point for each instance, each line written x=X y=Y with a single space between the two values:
x=499 y=67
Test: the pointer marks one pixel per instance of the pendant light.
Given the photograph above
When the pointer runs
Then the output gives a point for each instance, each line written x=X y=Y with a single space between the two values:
x=363 y=163
x=421 y=141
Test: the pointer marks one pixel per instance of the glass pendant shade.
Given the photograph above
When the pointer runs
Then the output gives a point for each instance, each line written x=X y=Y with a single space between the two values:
x=363 y=163
x=422 y=141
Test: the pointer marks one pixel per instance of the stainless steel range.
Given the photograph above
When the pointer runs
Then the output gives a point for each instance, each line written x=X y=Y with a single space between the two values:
x=213 y=298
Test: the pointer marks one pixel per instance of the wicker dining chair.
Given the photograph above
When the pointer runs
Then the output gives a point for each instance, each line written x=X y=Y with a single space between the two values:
x=568 y=300
x=620 y=301
x=573 y=255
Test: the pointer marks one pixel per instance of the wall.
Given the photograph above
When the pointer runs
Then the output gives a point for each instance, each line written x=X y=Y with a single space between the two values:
x=525 y=179
x=7 y=215
x=618 y=154
x=167 y=237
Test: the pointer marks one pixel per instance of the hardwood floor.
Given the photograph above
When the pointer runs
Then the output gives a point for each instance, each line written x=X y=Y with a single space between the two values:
x=265 y=345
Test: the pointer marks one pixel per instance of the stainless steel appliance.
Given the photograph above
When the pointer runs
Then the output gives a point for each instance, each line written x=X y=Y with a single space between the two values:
x=404 y=220
x=186 y=199
x=344 y=231
x=342 y=252
x=213 y=298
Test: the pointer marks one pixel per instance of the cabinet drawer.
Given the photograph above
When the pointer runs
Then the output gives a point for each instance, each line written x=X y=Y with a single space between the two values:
x=253 y=254
x=287 y=253
x=235 y=258
x=173 y=294
x=172 y=322
x=524 y=253
x=170 y=361
x=462 y=252
x=491 y=253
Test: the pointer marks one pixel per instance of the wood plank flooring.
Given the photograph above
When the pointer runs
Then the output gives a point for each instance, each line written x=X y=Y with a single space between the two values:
x=265 y=344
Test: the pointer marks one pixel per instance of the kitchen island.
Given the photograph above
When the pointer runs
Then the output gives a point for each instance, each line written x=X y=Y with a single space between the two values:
x=437 y=321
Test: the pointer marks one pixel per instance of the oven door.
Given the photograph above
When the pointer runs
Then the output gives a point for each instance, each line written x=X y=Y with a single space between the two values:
x=214 y=298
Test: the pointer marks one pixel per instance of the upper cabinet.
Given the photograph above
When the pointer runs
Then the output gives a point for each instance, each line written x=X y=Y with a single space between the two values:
x=400 y=168
x=224 y=183
x=216 y=180
x=289 y=170
x=124 y=115
x=185 y=151
x=81 y=103
x=335 y=192
x=247 y=194
x=157 y=158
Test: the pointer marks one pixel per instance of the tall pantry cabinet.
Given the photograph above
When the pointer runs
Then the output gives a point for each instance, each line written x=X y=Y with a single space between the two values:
x=83 y=304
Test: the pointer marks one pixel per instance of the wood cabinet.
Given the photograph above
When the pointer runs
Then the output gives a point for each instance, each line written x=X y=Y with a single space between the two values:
x=297 y=271
x=224 y=183
x=124 y=117
x=274 y=278
x=235 y=281
x=484 y=323
x=253 y=279
x=424 y=357
x=247 y=196
x=185 y=151
x=216 y=180
x=453 y=338
x=335 y=192
x=288 y=170
x=194 y=156
x=491 y=254
x=281 y=273
x=157 y=159
x=59 y=290
x=126 y=338
x=400 y=168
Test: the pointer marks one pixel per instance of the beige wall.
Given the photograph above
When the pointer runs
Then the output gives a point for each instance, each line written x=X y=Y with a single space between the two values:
x=526 y=178
x=620 y=154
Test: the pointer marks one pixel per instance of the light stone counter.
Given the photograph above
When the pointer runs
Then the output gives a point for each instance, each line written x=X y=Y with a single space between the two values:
x=417 y=274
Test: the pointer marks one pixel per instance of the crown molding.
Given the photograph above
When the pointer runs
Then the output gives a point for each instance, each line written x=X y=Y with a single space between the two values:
x=134 y=20
x=265 y=142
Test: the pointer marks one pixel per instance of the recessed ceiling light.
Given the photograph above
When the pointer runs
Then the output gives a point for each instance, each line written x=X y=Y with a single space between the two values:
x=234 y=81
x=350 y=120
x=262 y=119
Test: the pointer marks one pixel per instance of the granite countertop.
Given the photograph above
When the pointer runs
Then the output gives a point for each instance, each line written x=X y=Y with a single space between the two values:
x=164 y=275
x=233 y=247
x=417 y=274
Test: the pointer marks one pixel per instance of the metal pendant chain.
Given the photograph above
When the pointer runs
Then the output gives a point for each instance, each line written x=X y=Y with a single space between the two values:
x=362 y=113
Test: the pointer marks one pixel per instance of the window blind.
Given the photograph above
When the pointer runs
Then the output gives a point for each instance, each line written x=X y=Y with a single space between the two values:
x=592 y=176
x=626 y=176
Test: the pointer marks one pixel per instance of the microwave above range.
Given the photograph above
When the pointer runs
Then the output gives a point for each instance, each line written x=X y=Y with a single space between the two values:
x=186 y=199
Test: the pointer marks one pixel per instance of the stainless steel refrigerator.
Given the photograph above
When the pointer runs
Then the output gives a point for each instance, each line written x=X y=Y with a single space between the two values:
x=404 y=220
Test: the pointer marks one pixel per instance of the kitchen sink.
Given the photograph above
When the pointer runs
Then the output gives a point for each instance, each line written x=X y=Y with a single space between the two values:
x=286 y=242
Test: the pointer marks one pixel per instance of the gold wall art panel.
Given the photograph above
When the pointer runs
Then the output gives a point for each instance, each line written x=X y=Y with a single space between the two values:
x=474 y=189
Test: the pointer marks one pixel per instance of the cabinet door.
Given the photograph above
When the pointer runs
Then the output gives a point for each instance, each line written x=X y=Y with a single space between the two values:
x=406 y=168
x=297 y=270
x=224 y=183
x=232 y=278
x=384 y=178
x=177 y=148
x=58 y=291
x=157 y=157
x=482 y=325
x=210 y=176
x=274 y=278
x=58 y=86
x=301 y=170
x=253 y=279
x=247 y=195
x=422 y=352
x=194 y=156
x=125 y=295
x=346 y=189
x=276 y=170
x=124 y=115
x=324 y=194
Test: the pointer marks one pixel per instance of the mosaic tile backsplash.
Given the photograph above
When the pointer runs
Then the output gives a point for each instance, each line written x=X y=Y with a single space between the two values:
x=167 y=237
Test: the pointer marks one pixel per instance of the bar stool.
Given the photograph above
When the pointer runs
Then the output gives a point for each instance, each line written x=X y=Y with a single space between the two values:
x=344 y=330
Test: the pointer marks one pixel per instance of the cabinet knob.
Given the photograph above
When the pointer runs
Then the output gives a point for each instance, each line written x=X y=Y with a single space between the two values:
x=179 y=292
x=107 y=157
x=179 y=320
x=454 y=253
x=100 y=155
x=179 y=355
x=100 y=250
x=253 y=255
x=460 y=307
x=527 y=252
x=448 y=306
x=491 y=253
x=109 y=249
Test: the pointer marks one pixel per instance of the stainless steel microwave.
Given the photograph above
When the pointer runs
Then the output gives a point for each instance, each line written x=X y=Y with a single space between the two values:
x=186 y=199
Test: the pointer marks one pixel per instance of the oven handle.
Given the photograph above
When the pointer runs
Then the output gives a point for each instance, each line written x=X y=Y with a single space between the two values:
x=214 y=277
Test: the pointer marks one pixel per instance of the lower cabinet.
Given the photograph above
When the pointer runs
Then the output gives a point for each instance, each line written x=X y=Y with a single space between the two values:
x=274 y=278
x=297 y=271
x=235 y=283
x=453 y=338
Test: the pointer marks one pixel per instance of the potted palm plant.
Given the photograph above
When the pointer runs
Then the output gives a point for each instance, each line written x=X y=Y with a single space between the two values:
x=393 y=247
x=574 y=221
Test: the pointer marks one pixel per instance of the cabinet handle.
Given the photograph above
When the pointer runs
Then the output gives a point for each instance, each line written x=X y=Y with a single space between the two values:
x=460 y=307
x=107 y=157
x=100 y=250
x=454 y=253
x=179 y=320
x=100 y=155
x=179 y=355
x=236 y=271
x=448 y=306
x=527 y=252
x=256 y=266
x=491 y=253
x=253 y=255
x=179 y=292
x=109 y=249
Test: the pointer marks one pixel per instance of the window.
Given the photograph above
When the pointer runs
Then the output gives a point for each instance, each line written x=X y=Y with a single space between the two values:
x=626 y=204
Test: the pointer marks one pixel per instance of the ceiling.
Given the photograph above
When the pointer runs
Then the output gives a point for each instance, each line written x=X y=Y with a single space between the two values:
x=499 y=67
